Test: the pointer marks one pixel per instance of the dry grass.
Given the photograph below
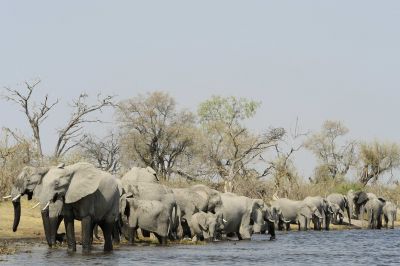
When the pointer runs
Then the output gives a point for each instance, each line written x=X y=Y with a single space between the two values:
x=30 y=226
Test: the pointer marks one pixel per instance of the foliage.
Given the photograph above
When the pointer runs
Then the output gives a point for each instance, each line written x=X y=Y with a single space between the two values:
x=378 y=158
x=231 y=148
x=335 y=157
x=154 y=133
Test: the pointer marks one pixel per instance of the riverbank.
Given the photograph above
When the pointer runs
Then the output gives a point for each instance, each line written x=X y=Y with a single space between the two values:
x=30 y=229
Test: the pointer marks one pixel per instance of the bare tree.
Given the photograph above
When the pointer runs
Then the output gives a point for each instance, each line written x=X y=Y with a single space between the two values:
x=35 y=113
x=71 y=134
x=281 y=168
x=73 y=130
x=104 y=152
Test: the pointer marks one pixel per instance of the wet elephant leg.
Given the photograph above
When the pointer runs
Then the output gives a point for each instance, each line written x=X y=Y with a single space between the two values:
x=70 y=232
x=87 y=233
x=107 y=232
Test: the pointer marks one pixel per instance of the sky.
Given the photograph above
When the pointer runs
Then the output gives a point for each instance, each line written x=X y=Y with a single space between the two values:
x=311 y=60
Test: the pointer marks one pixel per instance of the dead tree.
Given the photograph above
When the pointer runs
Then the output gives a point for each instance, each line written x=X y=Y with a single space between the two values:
x=104 y=152
x=73 y=130
x=35 y=113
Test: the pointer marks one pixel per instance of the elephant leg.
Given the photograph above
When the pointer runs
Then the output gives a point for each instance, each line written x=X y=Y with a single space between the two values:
x=87 y=233
x=70 y=231
x=348 y=214
x=115 y=234
x=239 y=236
x=107 y=228
x=60 y=237
x=161 y=239
x=379 y=222
x=287 y=226
x=271 y=230
x=131 y=235
x=280 y=225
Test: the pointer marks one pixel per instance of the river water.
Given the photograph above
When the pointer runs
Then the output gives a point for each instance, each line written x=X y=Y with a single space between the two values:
x=351 y=247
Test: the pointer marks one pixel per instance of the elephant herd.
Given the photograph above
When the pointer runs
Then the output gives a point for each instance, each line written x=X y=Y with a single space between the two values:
x=138 y=201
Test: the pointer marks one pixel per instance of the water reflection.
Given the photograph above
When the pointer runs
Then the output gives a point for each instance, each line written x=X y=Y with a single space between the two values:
x=356 y=247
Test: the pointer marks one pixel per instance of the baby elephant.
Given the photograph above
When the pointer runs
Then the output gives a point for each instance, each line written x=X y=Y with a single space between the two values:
x=150 y=215
x=204 y=225
x=389 y=214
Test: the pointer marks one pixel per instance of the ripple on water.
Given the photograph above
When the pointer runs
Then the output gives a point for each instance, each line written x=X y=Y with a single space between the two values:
x=352 y=247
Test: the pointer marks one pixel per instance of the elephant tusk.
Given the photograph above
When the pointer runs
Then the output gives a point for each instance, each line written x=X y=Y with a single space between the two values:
x=17 y=197
x=7 y=197
x=225 y=221
x=35 y=205
x=45 y=207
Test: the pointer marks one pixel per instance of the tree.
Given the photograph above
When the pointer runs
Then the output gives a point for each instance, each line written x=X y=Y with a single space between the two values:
x=15 y=152
x=230 y=147
x=334 y=155
x=281 y=168
x=35 y=113
x=103 y=152
x=71 y=134
x=377 y=158
x=155 y=133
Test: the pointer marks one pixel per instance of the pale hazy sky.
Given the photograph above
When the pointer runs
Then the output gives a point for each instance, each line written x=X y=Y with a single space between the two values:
x=315 y=60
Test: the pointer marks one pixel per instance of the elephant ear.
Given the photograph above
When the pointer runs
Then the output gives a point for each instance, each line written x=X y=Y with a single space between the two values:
x=122 y=204
x=203 y=223
x=85 y=181
x=306 y=211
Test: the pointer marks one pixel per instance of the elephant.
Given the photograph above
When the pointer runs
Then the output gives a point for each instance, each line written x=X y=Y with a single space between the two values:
x=370 y=203
x=27 y=183
x=81 y=192
x=204 y=225
x=137 y=174
x=389 y=214
x=338 y=214
x=151 y=191
x=151 y=215
x=344 y=204
x=194 y=199
x=239 y=214
x=324 y=209
x=295 y=212
x=271 y=218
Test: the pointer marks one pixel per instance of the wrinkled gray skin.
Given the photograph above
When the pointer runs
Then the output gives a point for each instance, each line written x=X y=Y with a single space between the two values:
x=137 y=174
x=343 y=202
x=389 y=214
x=150 y=191
x=150 y=215
x=204 y=226
x=28 y=183
x=81 y=192
x=194 y=199
x=324 y=209
x=270 y=217
x=338 y=214
x=239 y=214
x=295 y=212
x=372 y=205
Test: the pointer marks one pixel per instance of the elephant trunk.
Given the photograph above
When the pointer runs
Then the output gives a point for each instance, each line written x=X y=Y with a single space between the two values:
x=46 y=226
x=17 y=214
